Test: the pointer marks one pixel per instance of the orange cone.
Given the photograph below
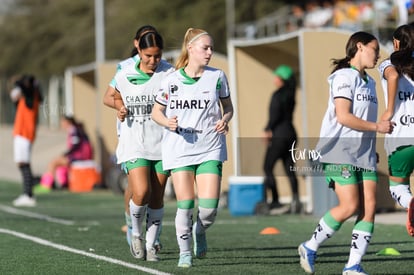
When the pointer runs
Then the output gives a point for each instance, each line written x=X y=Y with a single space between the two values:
x=270 y=231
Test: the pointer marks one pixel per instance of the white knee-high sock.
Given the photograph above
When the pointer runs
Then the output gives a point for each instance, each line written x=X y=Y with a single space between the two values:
x=324 y=230
x=361 y=237
x=137 y=218
x=205 y=218
x=401 y=194
x=154 y=220
x=183 y=222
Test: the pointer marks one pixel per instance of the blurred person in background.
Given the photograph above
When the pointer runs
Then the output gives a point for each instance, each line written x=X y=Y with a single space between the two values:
x=27 y=97
x=78 y=148
x=280 y=135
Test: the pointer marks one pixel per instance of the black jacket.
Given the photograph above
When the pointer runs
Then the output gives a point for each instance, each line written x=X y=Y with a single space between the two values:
x=281 y=110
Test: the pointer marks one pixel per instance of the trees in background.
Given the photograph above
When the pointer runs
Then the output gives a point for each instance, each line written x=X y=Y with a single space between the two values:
x=47 y=36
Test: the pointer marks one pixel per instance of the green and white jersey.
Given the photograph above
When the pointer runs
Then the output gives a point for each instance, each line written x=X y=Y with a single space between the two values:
x=140 y=136
x=342 y=145
x=124 y=63
x=403 y=133
x=197 y=107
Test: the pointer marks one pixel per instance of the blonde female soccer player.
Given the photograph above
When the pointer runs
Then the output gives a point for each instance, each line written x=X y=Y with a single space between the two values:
x=194 y=107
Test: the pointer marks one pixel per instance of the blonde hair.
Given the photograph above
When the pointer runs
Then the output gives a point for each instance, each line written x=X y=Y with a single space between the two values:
x=190 y=36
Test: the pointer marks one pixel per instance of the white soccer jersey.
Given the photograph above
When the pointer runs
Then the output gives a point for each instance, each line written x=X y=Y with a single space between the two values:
x=403 y=132
x=140 y=135
x=126 y=62
x=197 y=107
x=338 y=143
x=384 y=64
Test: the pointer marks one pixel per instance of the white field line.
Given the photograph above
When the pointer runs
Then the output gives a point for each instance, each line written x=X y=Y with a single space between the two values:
x=20 y=212
x=80 y=252
x=42 y=217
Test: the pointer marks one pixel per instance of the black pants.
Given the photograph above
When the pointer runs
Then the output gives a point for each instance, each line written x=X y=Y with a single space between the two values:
x=279 y=149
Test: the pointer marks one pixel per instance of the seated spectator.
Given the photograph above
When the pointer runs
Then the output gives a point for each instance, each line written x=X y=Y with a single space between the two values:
x=317 y=16
x=79 y=148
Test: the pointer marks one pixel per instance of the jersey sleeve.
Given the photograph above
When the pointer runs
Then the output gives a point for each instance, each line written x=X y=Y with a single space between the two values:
x=384 y=64
x=163 y=93
x=113 y=80
x=341 y=87
x=223 y=86
x=117 y=80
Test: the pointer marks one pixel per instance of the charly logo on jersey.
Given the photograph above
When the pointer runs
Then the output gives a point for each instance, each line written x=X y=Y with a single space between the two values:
x=194 y=104
x=407 y=120
x=139 y=107
x=364 y=95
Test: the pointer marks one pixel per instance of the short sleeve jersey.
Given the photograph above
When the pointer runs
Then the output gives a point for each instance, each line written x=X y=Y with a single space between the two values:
x=197 y=107
x=381 y=68
x=124 y=63
x=402 y=133
x=140 y=135
x=340 y=144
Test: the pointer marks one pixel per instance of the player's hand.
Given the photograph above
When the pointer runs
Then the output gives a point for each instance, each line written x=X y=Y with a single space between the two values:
x=267 y=136
x=222 y=127
x=122 y=113
x=173 y=123
x=385 y=126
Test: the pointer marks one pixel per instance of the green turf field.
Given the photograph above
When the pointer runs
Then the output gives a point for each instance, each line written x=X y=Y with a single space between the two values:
x=71 y=233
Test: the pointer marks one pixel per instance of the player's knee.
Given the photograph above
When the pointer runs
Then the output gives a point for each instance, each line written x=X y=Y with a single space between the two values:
x=207 y=216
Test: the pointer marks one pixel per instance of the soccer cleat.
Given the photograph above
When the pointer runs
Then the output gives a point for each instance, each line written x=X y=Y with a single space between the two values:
x=185 y=260
x=354 y=270
x=307 y=258
x=41 y=189
x=151 y=255
x=24 y=201
x=279 y=210
x=410 y=218
x=137 y=247
x=200 y=243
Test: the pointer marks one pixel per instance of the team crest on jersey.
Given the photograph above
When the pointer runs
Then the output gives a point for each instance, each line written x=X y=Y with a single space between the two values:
x=345 y=173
